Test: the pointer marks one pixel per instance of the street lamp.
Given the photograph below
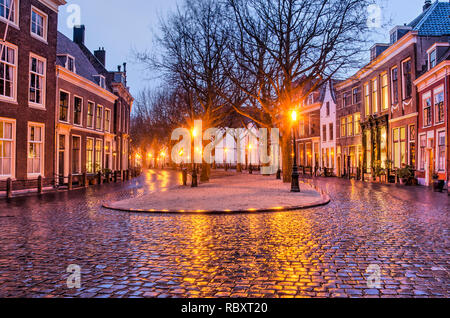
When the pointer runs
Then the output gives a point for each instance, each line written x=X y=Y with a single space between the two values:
x=226 y=159
x=294 y=183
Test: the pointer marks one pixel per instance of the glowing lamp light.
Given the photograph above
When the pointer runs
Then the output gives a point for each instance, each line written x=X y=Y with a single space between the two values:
x=194 y=132
x=294 y=116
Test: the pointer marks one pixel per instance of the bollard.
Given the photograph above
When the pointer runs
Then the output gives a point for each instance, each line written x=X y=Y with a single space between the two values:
x=85 y=180
x=250 y=169
x=9 y=188
x=99 y=177
x=115 y=176
x=194 y=183
x=69 y=185
x=39 y=184
x=184 y=172
x=279 y=174
x=108 y=176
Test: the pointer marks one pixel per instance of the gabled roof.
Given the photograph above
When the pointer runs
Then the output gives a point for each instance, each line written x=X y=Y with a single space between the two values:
x=83 y=65
x=434 y=21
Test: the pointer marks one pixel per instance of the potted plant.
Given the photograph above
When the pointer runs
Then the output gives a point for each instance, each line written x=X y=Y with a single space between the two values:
x=404 y=174
x=438 y=185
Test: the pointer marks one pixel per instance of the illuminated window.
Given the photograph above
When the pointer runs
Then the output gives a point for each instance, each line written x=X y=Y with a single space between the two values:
x=384 y=92
x=357 y=123
x=99 y=118
x=350 y=125
x=427 y=120
x=441 y=151
x=367 y=99
x=7 y=147
x=35 y=149
x=37 y=80
x=343 y=124
x=375 y=96
x=90 y=115
x=439 y=113
x=90 y=155
x=407 y=79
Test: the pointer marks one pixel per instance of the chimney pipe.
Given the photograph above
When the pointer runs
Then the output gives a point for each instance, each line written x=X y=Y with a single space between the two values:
x=79 y=32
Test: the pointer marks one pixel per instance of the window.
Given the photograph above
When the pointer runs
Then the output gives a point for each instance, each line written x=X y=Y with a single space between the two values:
x=384 y=92
x=356 y=95
x=77 y=110
x=423 y=147
x=310 y=100
x=427 y=112
x=375 y=96
x=357 y=123
x=108 y=155
x=441 y=151
x=412 y=145
x=100 y=80
x=37 y=80
x=8 y=10
x=383 y=146
x=90 y=155
x=347 y=99
x=35 y=149
x=63 y=106
x=394 y=78
x=8 y=72
x=350 y=125
x=368 y=149
x=367 y=99
x=399 y=147
x=70 y=63
x=439 y=113
x=99 y=118
x=107 y=120
x=328 y=108
x=90 y=115
x=7 y=148
x=331 y=132
x=38 y=23
x=324 y=133
x=98 y=155
x=407 y=79
x=433 y=59
x=76 y=154
x=343 y=124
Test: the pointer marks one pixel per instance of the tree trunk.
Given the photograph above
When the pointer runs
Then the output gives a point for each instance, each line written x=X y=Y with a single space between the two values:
x=206 y=172
x=286 y=152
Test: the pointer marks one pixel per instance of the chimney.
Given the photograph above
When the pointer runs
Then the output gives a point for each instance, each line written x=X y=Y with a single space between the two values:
x=427 y=5
x=79 y=34
x=100 y=54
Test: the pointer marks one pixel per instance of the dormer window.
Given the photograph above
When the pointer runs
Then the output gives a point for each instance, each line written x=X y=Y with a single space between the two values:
x=310 y=99
x=433 y=59
x=70 y=64
x=100 y=80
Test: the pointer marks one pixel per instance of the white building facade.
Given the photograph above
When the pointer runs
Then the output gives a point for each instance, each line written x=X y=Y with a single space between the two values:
x=328 y=130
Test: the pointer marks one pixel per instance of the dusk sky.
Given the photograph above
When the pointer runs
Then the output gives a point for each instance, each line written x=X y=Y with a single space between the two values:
x=121 y=28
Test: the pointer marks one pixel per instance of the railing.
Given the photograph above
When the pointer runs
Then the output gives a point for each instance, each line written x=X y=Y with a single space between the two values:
x=69 y=182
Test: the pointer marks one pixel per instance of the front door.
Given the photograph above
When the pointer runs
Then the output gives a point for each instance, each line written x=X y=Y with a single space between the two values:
x=61 y=158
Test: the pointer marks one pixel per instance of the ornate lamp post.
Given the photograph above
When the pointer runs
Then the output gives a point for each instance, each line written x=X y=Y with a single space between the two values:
x=294 y=183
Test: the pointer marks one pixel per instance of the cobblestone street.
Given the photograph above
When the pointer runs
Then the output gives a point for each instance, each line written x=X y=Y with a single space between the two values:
x=319 y=252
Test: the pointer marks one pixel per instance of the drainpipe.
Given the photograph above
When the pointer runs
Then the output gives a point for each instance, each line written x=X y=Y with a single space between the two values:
x=55 y=137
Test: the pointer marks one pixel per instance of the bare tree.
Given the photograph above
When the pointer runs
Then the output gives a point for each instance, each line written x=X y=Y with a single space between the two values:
x=285 y=49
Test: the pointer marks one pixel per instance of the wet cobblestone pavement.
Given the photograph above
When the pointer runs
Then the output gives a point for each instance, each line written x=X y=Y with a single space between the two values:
x=320 y=252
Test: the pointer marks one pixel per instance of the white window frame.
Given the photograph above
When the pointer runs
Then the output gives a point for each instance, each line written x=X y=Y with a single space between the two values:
x=42 y=143
x=107 y=127
x=101 y=80
x=404 y=97
x=13 y=147
x=79 y=155
x=45 y=26
x=440 y=131
x=68 y=106
x=435 y=58
x=393 y=102
x=96 y=117
x=437 y=91
x=44 y=80
x=419 y=151
x=73 y=110
x=13 y=98
x=15 y=22
x=101 y=153
x=93 y=114
x=424 y=98
x=93 y=155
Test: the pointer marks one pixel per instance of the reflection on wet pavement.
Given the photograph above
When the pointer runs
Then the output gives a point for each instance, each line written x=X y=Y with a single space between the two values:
x=315 y=252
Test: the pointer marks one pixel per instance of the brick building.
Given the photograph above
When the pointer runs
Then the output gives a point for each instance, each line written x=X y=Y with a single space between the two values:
x=93 y=111
x=388 y=103
x=308 y=136
x=348 y=115
x=433 y=126
x=27 y=89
